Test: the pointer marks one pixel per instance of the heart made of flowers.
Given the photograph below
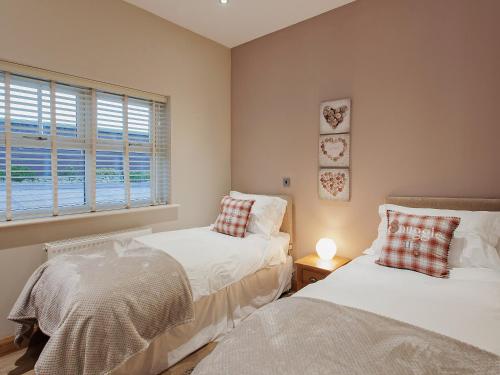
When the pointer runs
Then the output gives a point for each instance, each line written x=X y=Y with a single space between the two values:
x=333 y=182
x=333 y=148
x=334 y=116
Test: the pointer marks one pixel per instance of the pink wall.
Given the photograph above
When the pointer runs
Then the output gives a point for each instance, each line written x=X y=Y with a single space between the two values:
x=424 y=78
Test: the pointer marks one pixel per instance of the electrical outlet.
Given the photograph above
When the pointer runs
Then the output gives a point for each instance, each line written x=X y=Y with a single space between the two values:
x=286 y=182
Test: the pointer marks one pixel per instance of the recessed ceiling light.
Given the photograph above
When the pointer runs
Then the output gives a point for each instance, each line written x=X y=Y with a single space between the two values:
x=223 y=1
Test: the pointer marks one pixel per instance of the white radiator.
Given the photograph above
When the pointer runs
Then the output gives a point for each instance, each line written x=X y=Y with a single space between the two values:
x=81 y=243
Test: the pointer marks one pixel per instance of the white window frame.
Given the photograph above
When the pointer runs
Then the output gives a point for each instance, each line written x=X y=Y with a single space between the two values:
x=54 y=78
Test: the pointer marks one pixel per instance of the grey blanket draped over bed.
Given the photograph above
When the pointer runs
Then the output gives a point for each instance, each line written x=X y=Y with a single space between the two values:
x=100 y=307
x=297 y=336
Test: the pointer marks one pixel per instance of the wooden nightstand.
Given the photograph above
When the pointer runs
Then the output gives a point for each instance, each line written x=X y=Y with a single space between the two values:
x=311 y=268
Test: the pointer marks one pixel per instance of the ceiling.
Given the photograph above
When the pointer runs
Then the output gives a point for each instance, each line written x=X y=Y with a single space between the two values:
x=239 y=21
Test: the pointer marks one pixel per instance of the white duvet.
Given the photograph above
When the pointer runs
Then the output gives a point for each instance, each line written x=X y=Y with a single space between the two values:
x=465 y=307
x=213 y=261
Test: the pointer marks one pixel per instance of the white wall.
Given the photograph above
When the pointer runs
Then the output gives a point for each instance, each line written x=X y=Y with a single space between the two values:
x=114 y=42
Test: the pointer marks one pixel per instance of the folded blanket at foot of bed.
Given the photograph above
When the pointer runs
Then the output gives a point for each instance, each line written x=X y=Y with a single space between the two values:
x=297 y=336
x=101 y=306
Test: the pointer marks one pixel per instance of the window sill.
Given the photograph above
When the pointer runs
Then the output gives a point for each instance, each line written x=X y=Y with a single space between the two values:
x=87 y=215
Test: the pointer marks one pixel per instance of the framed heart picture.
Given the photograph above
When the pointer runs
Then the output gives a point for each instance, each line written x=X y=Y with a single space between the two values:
x=334 y=150
x=334 y=184
x=335 y=116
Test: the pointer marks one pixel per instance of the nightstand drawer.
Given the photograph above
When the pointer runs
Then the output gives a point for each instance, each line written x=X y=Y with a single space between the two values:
x=311 y=268
x=309 y=277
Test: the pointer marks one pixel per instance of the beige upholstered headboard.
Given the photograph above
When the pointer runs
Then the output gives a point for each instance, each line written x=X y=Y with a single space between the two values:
x=287 y=225
x=468 y=204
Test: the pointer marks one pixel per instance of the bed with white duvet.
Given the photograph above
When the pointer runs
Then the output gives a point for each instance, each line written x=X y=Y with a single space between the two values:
x=116 y=294
x=230 y=278
x=466 y=306
x=213 y=261
x=370 y=319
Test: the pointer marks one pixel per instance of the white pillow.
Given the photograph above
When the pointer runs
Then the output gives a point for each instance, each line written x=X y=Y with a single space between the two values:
x=474 y=241
x=266 y=215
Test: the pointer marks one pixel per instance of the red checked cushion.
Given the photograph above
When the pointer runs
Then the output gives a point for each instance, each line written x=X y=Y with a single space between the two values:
x=233 y=217
x=418 y=243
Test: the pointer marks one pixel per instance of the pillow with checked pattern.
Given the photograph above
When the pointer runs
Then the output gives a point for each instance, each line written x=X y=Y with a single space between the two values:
x=418 y=243
x=233 y=216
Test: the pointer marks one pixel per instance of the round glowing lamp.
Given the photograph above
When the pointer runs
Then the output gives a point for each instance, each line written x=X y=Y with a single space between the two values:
x=326 y=248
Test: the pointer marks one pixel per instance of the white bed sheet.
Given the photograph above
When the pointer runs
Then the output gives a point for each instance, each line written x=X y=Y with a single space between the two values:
x=213 y=261
x=465 y=307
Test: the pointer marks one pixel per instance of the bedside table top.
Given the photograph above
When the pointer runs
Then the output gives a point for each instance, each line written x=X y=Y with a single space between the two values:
x=314 y=261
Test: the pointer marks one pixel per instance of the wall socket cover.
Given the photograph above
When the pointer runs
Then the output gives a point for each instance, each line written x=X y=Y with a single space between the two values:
x=286 y=181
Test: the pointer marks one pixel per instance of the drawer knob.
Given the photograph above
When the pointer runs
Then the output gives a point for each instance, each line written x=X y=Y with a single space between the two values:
x=312 y=279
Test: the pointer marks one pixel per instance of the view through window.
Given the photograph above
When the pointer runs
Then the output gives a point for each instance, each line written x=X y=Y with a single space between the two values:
x=67 y=149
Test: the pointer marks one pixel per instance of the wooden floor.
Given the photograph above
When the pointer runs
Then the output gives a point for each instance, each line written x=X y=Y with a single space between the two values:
x=23 y=361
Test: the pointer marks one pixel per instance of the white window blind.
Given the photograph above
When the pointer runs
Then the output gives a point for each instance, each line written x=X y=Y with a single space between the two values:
x=70 y=149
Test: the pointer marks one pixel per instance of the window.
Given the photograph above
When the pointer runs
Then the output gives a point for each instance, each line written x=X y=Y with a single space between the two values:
x=70 y=149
